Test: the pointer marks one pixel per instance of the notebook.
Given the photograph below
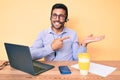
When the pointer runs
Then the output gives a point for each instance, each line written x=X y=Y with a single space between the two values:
x=20 y=58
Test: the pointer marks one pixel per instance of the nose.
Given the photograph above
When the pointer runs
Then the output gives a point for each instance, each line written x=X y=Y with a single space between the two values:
x=58 y=18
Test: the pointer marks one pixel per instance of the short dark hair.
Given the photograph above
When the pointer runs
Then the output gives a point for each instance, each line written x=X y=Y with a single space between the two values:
x=60 y=6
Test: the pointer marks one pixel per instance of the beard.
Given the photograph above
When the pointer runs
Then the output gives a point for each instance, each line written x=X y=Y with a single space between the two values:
x=57 y=24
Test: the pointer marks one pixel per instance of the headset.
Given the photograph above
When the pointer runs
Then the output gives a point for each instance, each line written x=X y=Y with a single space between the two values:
x=66 y=20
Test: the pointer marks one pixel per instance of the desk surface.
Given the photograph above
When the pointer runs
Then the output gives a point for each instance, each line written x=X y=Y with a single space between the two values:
x=9 y=73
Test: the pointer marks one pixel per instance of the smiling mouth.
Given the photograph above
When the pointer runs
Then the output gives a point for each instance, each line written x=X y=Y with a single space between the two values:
x=57 y=23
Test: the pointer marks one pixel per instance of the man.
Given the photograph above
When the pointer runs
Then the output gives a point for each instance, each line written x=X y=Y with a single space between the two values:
x=59 y=43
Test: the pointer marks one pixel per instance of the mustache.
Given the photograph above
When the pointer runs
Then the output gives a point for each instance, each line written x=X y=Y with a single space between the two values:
x=59 y=22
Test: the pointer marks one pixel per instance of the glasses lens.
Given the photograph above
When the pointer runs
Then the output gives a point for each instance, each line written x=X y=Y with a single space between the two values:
x=61 y=16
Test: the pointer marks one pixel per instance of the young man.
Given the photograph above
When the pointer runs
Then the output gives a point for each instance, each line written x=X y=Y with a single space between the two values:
x=59 y=43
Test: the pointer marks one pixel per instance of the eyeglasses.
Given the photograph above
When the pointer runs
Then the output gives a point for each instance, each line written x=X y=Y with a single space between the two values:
x=61 y=16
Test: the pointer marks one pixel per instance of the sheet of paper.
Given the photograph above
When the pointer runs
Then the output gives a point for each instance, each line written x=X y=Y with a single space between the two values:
x=98 y=69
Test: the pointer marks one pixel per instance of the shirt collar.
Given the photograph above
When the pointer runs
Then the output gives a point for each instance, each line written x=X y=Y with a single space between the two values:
x=51 y=31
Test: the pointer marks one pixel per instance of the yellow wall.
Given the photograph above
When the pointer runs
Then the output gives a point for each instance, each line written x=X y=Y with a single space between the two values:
x=22 y=20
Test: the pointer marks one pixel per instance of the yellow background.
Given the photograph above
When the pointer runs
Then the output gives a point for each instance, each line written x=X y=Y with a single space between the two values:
x=22 y=20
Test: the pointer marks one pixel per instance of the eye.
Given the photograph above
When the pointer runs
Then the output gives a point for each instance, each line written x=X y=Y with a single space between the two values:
x=61 y=16
x=54 y=16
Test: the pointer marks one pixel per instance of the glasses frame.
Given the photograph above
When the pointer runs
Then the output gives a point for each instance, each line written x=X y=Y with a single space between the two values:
x=60 y=16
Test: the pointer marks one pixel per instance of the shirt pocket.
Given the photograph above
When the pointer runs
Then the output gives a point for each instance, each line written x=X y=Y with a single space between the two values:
x=67 y=44
x=47 y=40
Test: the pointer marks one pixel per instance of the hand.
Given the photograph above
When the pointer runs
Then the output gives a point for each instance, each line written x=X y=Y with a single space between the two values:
x=58 y=43
x=91 y=38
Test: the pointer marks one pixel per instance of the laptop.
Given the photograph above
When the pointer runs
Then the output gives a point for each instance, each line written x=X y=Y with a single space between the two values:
x=20 y=58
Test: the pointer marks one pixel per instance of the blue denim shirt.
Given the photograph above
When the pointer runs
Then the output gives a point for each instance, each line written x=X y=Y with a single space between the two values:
x=42 y=46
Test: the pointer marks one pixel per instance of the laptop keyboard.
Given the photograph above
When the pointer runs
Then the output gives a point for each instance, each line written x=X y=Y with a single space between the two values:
x=41 y=67
x=38 y=69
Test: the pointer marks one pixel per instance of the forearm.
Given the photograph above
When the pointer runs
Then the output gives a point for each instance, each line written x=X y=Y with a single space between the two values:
x=38 y=53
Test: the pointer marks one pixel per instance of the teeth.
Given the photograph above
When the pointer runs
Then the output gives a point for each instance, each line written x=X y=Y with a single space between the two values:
x=57 y=23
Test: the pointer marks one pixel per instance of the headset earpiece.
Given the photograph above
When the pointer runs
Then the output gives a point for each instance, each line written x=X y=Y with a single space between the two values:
x=66 y=20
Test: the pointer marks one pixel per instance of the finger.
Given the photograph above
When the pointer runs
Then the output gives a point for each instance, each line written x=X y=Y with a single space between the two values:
x=64 y=38
x=102 y=37
x=90 y=35
x=98 y=38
